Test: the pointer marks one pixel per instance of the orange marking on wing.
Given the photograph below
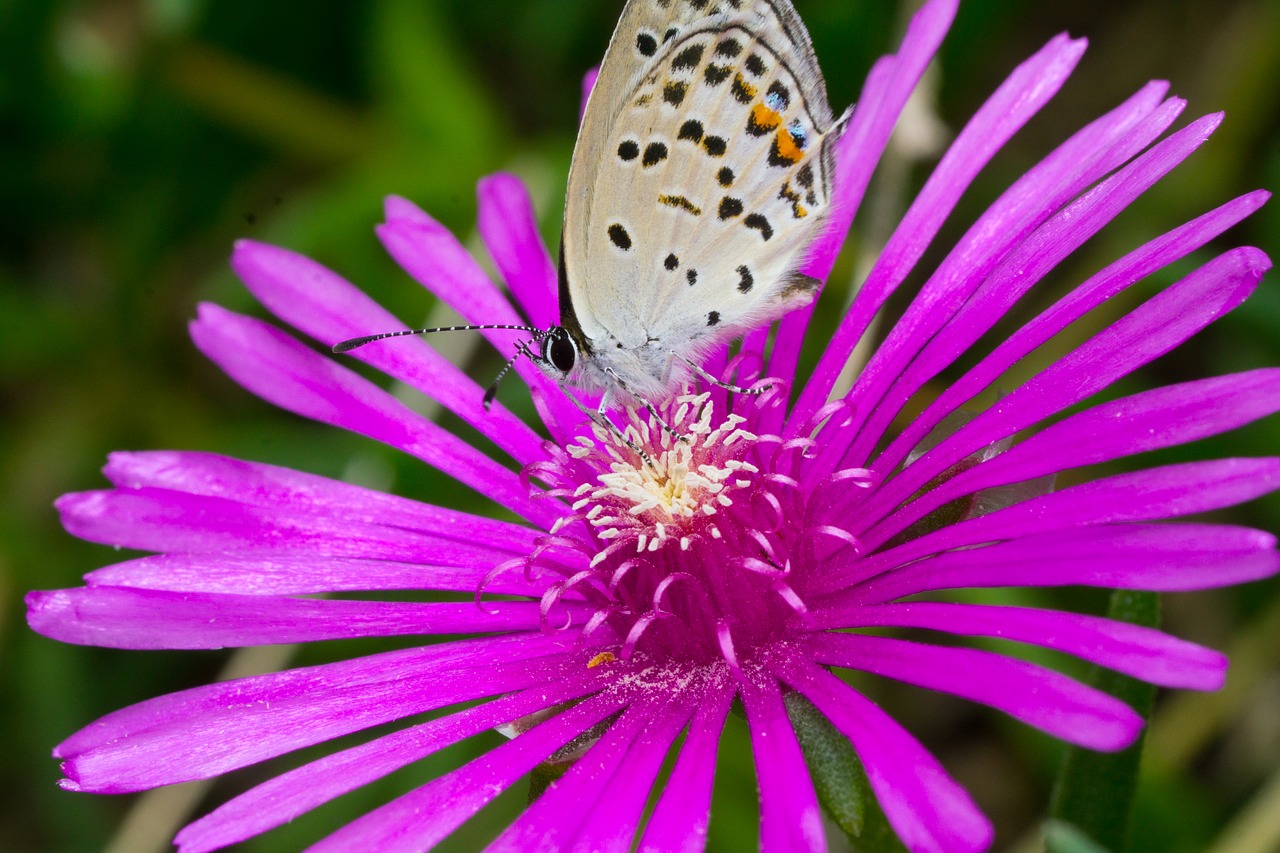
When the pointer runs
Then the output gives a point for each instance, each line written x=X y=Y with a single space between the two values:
x=764 y=117
x=787 y=147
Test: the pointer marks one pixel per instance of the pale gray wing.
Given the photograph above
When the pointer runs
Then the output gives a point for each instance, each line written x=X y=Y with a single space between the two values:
x=613 y=213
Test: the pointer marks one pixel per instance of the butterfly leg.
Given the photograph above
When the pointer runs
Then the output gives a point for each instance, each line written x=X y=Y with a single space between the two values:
x=598 y=416
x=648 y=407
x=735 y=389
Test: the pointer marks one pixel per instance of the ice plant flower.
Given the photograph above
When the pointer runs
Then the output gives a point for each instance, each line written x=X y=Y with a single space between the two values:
x=636 y=599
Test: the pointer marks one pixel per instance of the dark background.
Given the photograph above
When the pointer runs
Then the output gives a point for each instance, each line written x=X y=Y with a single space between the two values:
x=139 y=138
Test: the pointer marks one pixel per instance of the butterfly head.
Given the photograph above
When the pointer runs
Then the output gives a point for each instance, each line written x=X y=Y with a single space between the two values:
x=557 y=353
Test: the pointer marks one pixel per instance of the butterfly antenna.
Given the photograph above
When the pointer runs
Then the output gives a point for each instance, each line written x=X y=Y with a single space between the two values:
x=492 y=390
x=353 y=343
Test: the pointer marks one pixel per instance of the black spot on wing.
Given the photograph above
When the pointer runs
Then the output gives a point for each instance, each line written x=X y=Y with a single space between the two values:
x=755 y=65
x=628 y=150
x=729 y=208
x=743 y=91
x=715 y=145
x=691 y=130
x=725 y=176
x=778 y=96
x=713 y=317
x=619 y=236
x=688 y=58
x=716 y=74
x=691 y=276
x=646 y=44
x=729 y=48
x=675 y=90
x=759 y=223
x=654 y=153
x=671 y=262
x=747 y=281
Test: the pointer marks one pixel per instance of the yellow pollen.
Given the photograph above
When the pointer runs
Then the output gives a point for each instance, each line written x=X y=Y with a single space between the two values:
x=603 y=657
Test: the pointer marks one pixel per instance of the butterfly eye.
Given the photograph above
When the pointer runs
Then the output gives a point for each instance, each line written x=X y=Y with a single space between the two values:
x=558 y=349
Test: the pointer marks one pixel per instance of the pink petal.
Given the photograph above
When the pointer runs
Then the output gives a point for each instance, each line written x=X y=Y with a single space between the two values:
x=510 y=231
x=613 y=827
x=885 y=94
x=1020 y=97
x=1027 y=265
x=435 y=258
x=1029 y=202
x=1048 y=700
x=161 y=520
x=562 y=818
x=1158 y=493
x=1117 y=277
x=270 y=573
x=1157 y=557
x=320 y=303
x=420 y=819
x=120 y=618
x=298 y=492
x=1163 y=417
x=1151 y=330
x=790 y=818
x=282 y=371
x=1144 y=653
x=210 y=730
x=302 y=789
x=679 y=822
x=924 y=805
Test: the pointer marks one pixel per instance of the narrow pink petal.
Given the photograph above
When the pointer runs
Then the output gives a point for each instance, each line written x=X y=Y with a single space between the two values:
x=1151 y=495
x=120 y=618
x=1153 y=329
x=420 y=819
x=209 y=730
x=614 y=826
x=298 y=791
x=1032 y=199
x=1039 y=697
x=577 y=800
x=328 y=308
x=162 y=520
x=270 y=573
x=1157 y=557
x=1117 y=277
x=506 y=221
x=1020 y=97
x=1027 y=265
x=924 y=805
x=1152 y=420
x=1144 y=653
x=284 y=372
x=300 y=492
x=438 y=262
x=790 y=818
x=883 y=98
x=679 y=822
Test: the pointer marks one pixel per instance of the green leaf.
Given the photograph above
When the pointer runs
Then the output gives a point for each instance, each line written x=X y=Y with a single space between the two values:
x=1095 y=790
x=840 y=781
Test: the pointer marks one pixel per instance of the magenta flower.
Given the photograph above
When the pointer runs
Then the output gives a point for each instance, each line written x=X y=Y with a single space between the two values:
x=633 y=602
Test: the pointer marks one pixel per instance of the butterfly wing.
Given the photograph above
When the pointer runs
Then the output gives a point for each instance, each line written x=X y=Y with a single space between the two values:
x=701 y=173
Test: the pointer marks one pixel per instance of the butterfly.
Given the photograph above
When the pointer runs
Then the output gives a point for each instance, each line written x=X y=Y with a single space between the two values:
x=702 y=171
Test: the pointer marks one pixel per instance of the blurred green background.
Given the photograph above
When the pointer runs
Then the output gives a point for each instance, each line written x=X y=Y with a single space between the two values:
x=139 y=138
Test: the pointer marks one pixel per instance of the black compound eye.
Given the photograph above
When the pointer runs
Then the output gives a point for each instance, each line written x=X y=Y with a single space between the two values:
x=560 y=351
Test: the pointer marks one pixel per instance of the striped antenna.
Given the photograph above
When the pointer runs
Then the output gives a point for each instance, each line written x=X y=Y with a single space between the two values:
x=348 y=345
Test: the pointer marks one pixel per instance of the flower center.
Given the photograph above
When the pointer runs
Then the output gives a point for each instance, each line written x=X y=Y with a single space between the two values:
x=696 y=547
x=674 y=493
